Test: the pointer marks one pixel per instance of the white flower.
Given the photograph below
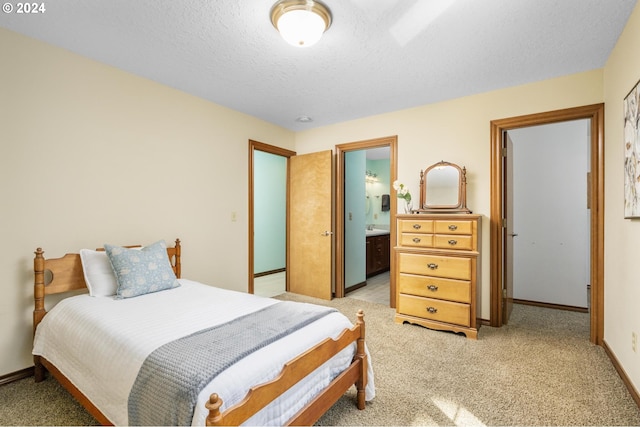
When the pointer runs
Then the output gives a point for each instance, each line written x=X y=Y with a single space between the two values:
x=402 y=190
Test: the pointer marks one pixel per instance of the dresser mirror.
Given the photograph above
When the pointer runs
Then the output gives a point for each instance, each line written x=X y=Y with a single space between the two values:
x=443 y=189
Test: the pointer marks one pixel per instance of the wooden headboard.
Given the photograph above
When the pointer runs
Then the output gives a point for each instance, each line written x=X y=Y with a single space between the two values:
x=67 y=275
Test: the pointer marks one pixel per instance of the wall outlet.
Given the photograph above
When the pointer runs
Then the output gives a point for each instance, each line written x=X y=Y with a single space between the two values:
x=634 y=342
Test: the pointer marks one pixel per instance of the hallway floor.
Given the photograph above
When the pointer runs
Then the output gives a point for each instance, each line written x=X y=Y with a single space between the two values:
x=377 y=289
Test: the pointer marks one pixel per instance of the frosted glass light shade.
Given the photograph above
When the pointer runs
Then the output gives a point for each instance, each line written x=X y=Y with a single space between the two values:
x=301 y=28
x=300 y=22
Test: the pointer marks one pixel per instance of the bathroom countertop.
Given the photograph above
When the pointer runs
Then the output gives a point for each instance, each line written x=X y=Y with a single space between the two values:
x=377 y=232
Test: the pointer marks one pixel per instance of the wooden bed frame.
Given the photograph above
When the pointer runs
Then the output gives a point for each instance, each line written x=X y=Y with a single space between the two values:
x=66 y=275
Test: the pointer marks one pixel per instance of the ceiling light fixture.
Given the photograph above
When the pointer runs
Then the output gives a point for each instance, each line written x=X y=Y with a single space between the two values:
x=304 y=119
x=301 y=22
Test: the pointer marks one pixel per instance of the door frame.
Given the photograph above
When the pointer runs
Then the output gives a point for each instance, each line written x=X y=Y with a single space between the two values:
x=595 y=190
x=341 y=149
x=272 y=149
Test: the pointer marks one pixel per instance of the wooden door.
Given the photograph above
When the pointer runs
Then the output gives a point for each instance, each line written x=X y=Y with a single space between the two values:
x=509 y=235
x=310 y=224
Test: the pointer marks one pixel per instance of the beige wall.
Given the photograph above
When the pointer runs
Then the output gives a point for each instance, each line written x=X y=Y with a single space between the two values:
x=621 y=272
x=458 y=131
x=91 y=154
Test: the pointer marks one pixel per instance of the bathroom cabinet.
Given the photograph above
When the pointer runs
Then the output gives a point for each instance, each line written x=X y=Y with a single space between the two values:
x=378 y=254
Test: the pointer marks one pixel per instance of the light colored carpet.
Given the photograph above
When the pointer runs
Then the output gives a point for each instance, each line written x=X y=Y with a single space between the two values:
x=538 y=370
x=541 y=369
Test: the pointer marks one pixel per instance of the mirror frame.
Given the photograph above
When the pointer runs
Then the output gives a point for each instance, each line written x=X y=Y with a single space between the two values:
x=461 y=207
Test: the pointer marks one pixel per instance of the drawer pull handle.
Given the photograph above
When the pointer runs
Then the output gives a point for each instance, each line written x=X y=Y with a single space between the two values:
x=432 y=288
x=416 y=240
x=432 y=310
x=417 y=226
x=453 y=242
x=453 y=227
x=432 y=266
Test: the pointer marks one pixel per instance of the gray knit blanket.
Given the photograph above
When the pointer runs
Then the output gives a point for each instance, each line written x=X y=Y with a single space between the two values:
x=166 y=389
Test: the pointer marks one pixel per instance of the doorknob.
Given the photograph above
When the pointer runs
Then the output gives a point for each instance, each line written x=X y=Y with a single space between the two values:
x=513 y=234
x=326 y=233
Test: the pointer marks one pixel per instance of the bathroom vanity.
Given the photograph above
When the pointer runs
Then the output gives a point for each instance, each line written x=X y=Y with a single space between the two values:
x=378 y=252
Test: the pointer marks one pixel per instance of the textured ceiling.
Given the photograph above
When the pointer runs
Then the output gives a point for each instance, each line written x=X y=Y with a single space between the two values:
x=378 y=56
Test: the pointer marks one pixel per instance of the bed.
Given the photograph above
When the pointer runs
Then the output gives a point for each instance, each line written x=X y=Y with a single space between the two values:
x=101 y=349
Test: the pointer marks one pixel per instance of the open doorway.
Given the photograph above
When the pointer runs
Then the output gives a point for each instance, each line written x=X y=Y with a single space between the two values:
x=550 y=218
x=267 y=219
x=367 y=255
x=501 y=270
x=365 y=215
x=308 y=235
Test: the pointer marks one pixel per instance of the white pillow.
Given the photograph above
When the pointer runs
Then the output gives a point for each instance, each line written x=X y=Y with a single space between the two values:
x=98 y=274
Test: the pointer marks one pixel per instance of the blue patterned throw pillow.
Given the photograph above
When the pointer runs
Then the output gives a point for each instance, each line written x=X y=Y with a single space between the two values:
x=142 y=271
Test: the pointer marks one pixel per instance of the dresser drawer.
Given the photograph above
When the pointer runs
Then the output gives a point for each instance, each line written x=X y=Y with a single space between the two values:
x=415 y=226
x=428 y=308
x=436 y=266
x=433 y=287
x=416 y=240
x=453 y=226
x=461 y=242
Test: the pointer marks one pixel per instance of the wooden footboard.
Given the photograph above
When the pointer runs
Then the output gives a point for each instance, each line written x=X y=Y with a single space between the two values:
x=67 y=275
x=295 y=370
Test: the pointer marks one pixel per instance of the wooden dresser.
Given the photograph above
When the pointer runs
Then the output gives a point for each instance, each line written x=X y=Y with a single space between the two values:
x=438 y=271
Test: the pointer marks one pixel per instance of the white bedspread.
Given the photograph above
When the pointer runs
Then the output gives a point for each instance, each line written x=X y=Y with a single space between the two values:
x=99 y=344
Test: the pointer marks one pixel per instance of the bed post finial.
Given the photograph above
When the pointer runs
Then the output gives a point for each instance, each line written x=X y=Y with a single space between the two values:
x=178 y=263
x=360 y=321
x=361 y=354
x=213 y=405
x=38 y=287
x=38 y=310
